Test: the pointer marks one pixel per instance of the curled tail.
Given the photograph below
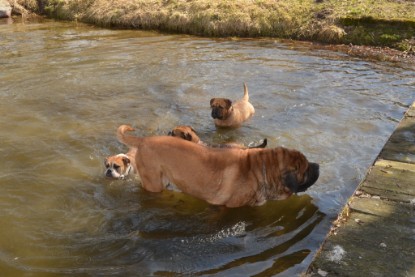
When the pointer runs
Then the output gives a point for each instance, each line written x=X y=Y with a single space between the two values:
x=246 y=96
x=262 y=145
x=124 y=138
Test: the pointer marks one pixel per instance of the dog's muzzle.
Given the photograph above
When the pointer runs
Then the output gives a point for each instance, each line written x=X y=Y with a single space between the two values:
x=108 y=173
x=216 y=113
x=312 y=175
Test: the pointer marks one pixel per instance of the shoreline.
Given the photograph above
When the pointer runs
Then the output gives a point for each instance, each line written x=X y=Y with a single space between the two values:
x=382 y=31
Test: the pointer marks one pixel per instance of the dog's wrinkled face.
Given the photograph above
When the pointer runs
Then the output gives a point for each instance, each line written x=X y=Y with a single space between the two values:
x=221 y=108
x=303 y=174
x=117 y=167
x=185 y=132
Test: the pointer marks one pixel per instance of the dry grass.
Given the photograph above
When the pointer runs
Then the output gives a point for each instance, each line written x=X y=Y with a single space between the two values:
x=203 y=17
x=369 y=22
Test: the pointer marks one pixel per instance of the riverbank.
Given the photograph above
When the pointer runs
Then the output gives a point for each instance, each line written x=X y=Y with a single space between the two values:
x=383 y=23
x=373 y=236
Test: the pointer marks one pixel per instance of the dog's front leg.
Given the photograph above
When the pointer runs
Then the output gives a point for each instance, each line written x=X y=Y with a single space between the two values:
x=151 y=182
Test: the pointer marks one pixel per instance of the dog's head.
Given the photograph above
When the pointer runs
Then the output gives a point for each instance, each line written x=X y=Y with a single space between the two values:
x=221 y=108
x=301 y=174
x=185 y=132
x=118 y=166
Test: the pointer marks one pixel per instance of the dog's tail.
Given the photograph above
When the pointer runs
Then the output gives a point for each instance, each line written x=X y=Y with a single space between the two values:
x=262 y=145
x=124 y=138
x=246 y=96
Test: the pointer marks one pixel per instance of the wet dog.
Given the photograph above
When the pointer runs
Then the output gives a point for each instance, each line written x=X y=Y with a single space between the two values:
x=188 y=133
x=118 y=166
x=228 y=114
x=230 y=177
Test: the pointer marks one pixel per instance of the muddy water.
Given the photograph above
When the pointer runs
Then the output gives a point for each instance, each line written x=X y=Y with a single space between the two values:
x=65 y=88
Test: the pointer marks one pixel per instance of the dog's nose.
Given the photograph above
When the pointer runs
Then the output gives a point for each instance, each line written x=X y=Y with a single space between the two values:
x=108 y=173
x=215 y=113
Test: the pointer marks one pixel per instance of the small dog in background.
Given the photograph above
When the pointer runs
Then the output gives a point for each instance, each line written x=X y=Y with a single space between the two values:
x=188 y=133
x=228 y=114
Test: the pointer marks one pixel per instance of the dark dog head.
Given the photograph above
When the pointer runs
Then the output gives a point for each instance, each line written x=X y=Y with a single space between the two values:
x=310 y=177
x=185 y=132
x=302 y=175
x=118 y=166
x=221 y=108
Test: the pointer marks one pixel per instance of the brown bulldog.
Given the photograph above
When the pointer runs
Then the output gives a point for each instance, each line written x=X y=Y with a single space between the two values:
x=188 y=133
x=221 y=176
x=226 y=114
x=118 y=166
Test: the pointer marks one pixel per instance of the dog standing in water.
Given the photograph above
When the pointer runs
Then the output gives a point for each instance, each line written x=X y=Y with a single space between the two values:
x=228 y=114
x=231 y=177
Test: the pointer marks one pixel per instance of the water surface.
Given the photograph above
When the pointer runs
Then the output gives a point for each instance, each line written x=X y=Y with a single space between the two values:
x=65 y=88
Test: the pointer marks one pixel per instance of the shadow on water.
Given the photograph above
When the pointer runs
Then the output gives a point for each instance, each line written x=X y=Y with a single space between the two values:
x=217 y=239
x=220 y=240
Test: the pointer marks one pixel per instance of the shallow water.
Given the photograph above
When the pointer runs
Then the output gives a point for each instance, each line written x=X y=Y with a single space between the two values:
x=65 y=88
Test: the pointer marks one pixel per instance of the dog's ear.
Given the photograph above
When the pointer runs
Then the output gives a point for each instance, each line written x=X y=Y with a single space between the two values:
x=187 y=136
x=211 y=101
x=106 y=162
x=290 y=181
x=126 y=160
x=228 y=103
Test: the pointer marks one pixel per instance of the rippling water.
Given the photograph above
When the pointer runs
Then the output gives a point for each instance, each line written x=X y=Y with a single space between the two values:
x=65 y=88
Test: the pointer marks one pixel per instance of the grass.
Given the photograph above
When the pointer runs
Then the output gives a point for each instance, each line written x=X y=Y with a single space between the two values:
x=362 y=22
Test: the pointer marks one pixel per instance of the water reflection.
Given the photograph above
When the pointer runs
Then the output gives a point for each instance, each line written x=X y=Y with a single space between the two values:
x=64 y=90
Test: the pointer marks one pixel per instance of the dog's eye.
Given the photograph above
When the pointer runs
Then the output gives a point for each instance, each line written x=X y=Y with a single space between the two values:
x=107 y=164
x=116 y=166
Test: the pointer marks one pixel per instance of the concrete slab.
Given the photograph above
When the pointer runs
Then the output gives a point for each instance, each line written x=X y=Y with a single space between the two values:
x=375 y=233
x=370 y=245
x=391 y=180
x=401 y=145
